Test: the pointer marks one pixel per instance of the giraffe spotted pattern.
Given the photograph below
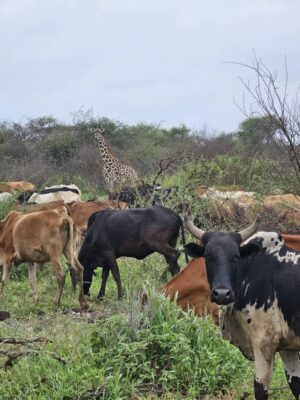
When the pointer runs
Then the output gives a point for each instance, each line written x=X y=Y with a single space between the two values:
x=114 y=172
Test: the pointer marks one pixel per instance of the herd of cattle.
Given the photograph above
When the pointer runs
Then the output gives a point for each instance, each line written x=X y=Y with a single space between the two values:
x=248 y=281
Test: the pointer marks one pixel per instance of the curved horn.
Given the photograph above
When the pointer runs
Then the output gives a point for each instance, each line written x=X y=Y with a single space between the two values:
x=196 y=232
x=247 y=232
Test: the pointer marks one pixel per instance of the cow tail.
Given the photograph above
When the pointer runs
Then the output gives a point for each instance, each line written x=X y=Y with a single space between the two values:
x=183 y=241
x=70 y=243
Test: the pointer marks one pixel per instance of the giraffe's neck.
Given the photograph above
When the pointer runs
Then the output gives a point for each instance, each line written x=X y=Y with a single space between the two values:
x=103 y=148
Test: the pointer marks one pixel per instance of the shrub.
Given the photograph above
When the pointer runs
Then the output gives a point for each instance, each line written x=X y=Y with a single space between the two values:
x=164 y=350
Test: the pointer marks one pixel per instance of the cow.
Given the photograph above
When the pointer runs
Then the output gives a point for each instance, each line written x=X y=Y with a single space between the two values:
x=39 y=237
x=18 y=186
x=67 y=193
x=134 y=196
x=257 y=286
x=191 y=290
x=80 y=213
x=132 y=233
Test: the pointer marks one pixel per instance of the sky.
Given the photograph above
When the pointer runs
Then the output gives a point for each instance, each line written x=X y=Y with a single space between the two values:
x=166 y=62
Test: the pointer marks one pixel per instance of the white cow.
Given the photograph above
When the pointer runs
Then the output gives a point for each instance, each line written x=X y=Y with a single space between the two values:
x=67 y=193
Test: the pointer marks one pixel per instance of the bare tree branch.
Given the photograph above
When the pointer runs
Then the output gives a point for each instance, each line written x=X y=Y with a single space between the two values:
x=271 y=101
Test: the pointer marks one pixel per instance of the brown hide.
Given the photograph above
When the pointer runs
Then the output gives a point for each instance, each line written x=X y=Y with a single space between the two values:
x=81 y=212
x=292 y=241
x=38 y=237
x=18 y=186
x=192 y=287
x=59 y=205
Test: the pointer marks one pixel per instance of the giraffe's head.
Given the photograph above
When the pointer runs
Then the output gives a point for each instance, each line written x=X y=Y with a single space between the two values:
x=98 y=133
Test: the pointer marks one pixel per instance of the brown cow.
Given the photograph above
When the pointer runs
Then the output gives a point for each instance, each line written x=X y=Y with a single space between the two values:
x=192 y=288
x=80 y=212
x=39 y=237
x=16 y=186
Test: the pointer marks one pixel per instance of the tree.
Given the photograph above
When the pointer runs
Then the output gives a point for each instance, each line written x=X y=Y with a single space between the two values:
x=271 y=102
x=254 y=135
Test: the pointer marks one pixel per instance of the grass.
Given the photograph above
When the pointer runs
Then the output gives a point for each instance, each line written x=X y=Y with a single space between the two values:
x=127 y=353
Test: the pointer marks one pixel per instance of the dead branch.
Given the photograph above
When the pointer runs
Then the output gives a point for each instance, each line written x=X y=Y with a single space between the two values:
x=12 y=355
x=271 y=101
x=23 y=341
x=166 y=163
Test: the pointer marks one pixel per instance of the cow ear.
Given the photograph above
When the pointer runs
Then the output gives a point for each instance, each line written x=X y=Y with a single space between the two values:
x=249 y=249
x=194 y=250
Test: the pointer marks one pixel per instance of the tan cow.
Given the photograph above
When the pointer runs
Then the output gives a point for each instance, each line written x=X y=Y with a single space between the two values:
x=79 y=211
x=39 y=237
x=16 y=186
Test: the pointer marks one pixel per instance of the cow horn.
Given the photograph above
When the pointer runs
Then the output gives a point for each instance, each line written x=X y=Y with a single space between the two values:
x=196 y=232
x=250 y=230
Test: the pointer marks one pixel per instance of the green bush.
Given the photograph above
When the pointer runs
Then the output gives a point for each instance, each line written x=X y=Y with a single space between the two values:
x=164 y=350
x=5 y=207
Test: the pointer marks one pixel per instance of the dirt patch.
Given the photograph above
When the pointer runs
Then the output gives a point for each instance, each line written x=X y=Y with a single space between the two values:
x=91 y=316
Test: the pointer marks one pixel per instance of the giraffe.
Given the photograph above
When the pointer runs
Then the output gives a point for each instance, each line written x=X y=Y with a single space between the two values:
x=113 y=171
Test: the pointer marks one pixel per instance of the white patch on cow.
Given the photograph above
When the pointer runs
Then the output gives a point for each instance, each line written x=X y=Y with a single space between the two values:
x=291 y=363
x=251 y=325
x=66 y=196
x=273 y=243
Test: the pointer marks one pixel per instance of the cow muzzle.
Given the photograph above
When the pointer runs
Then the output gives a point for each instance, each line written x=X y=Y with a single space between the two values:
x=222 y=296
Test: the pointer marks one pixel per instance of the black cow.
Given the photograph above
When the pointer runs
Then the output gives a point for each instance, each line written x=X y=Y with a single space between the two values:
x=258 y=285
x=146 y=194
x=143 y=193
x=135 y=232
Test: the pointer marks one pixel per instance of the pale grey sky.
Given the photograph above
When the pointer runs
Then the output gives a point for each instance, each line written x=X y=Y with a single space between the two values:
x=158 y=61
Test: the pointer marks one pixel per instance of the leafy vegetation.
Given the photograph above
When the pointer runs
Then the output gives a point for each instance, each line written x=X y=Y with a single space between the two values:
x=43 y=150
x=120 y=350
x=164 y=350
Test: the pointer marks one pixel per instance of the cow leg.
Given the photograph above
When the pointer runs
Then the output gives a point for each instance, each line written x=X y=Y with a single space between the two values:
x=77 y=270
x=171 y=256
x=79 y=273
x=60 y=276
x=291 y=363
x=105 y=273
x=264 y=360
x=113 y=266
x=32 y=280
x=6 y=271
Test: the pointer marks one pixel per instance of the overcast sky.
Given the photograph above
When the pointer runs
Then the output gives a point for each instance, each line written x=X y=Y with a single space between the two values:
x=158 y=61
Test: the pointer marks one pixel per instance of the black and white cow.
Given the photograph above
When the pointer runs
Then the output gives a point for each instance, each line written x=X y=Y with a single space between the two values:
x=257 y=285
x=67 y=193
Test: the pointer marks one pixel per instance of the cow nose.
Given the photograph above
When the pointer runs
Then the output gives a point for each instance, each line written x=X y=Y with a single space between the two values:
x=222 y=296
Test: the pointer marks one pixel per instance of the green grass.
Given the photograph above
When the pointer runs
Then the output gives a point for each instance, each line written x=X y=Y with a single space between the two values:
x=128 y=353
